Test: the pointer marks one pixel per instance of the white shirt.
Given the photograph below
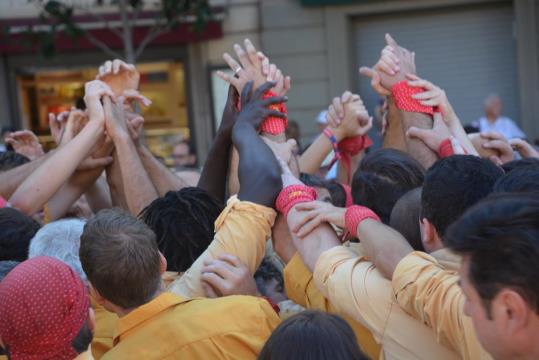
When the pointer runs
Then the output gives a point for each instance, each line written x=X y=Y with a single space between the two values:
x=503 y=125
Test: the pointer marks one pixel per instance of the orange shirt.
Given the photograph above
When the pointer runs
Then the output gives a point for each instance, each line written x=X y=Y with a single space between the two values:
x=105 y=323
x=300 y=288
x=172 y=327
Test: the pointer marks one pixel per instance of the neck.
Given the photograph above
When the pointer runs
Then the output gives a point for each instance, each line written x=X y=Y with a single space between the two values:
x=121 y=312
x=491 y=118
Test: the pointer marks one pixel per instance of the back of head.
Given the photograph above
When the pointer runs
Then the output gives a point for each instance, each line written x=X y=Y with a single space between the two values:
x=523 y=179
x=44 y=311
x=60 y=240
x=405 y=218
x=120 y=257
x=522 y=163
x=183 y=222
x=454 y=184
x=16 y=231
x=501 y=237
x=11 y=159
x=312 y=335
x=383 y=177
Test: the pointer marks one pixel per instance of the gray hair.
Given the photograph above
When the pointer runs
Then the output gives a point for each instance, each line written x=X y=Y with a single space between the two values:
x=61 y=240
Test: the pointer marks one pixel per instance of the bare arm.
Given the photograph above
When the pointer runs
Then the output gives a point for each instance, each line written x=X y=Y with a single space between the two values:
x=162 y=178
x=11 y=179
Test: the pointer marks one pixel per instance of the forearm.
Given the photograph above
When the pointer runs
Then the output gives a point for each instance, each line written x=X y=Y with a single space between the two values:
x=313 y=245
x=46 y=180
x=214 y=172
x=114 y=180
x=161 y=177
x=311 y=160
x=11 y=179
x=137 y=185
x=458 y=132
x=98 y=194
x=384 y=246
x=259 y=172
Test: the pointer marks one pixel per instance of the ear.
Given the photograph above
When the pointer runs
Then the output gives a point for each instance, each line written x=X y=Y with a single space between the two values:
x=163 y=263
x=509 y=306
x=426 y=231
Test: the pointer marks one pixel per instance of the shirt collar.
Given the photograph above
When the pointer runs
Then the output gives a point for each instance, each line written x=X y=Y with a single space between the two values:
x=147 y=311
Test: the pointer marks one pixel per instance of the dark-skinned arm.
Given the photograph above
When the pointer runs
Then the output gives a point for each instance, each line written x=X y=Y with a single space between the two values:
x=215 y=170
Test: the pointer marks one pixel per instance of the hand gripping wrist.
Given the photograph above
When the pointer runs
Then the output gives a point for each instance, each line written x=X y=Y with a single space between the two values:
x=292 y=195
x=355 y=215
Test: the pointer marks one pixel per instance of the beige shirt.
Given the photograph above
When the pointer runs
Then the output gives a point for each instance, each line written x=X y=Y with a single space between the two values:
x=242 y=230
x=430 y=293
x=354 y=286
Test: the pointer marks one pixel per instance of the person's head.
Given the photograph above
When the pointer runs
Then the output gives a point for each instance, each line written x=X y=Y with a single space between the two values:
x=10 y=160
x=493 y=106
x=321 y=120
x=405 y=218
x=523 y=179
x=322 y=193
x=499 y=241
x=60 y=240
x=312 y=335
x=270 y=282
x=120 y=257
x=16 y=231
x=382 y=178
x=452 y=185
x=45 y=311
x=522 y=163
x=183 y=222
x=184 y=154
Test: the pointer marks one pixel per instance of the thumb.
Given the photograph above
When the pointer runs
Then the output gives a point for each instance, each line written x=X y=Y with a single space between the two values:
x=367 y=71
x=291 y=144
x=391 y=42
x=437 y=119
x=415 y=132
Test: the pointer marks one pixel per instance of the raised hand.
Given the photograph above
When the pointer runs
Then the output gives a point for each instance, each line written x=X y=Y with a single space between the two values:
x=227 y=276
x=76 y=120
x=348 y=117
x=249 y=70
x=524 y=148
x=314 y=213
x=93 y=92
x=119 y=75
x=394 y=63
x=254 y=109
x=432 y=96
x=25 y=143
x=496 y=141
x=57 y=125
x=434 y=137
x=274 y=74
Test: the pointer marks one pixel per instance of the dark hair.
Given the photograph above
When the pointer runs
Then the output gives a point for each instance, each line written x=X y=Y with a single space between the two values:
x=183 y=222
x=312 y=335
x=338 y=194
x=6 y=267
x=405 y=218
x=501 y=237
x=312 y=180
x=16 y=231
x=454 y=184
x=119 y=255
x=383 y=177
x=82 y=341
x=266 y=272
x=517 y=164
x=10 y=160
x=522 y=179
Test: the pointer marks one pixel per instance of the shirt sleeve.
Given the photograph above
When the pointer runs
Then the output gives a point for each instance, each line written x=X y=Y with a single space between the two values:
x=355 y=287
x=241 y=230
x=431 y=294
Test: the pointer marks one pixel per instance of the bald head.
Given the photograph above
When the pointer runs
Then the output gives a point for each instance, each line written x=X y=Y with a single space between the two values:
x=405 y=218
x=493 y=106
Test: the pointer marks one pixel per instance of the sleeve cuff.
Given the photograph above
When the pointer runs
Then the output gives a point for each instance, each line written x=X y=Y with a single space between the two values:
x=235 y=205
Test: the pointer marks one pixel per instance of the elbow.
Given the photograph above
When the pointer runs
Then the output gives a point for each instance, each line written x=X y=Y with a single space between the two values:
x=21 y=203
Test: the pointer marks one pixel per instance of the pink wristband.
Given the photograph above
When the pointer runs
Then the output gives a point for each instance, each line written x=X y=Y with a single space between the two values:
x=355 y=215
x=292 y=195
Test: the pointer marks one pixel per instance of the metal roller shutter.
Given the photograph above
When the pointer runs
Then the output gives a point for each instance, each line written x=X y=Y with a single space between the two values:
x=469 y=51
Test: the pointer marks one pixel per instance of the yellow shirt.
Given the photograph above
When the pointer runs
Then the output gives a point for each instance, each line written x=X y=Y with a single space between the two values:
x=105 y=323
x=355 y=287
x=172 y=327
x=300 y=288
x=430 y=293
x=242 y=229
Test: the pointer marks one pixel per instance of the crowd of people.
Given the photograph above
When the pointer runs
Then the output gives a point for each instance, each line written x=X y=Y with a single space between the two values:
x=427 y=248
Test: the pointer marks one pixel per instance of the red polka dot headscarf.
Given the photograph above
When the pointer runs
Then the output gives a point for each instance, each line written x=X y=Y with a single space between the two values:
x=43 y=305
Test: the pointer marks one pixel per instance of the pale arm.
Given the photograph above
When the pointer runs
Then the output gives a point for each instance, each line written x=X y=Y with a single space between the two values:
x=162 y=178
x=11 y=179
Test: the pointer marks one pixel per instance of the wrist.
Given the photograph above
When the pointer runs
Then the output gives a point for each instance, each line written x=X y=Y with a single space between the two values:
x=355 y=215
x=293 y=195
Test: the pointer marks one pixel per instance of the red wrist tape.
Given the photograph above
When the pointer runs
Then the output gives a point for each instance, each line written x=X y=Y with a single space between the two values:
x=446 y=149
x=402 y=93
x=292 y=195
x=349 y=148
x=272 y=125
x=355 y=215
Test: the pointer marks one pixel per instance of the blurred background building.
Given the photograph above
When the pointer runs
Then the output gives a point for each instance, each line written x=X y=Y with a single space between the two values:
x=471 y=48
